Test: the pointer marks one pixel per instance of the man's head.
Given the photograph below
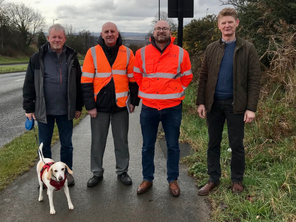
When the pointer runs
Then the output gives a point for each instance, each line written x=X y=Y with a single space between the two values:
x=228 y=22
x=110 y=33
x=56 y=37
x=162 y=32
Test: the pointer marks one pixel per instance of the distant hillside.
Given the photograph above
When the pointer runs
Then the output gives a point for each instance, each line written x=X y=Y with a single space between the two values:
x=128 y=35
x=136 y=38
x=134 y=35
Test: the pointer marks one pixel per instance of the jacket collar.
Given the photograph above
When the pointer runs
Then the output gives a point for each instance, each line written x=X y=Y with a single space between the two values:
x=44 y=48
x=239 y=42
x=102 y=42
x=152 y=40
x=110 y=50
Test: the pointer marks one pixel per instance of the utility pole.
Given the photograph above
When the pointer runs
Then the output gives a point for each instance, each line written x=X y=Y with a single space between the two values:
x=180 y=9
x=180 y=23
x=158 y=10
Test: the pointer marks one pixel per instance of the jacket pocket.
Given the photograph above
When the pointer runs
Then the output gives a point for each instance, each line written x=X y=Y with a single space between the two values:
x=244 y=88
x=145 y=85
x=150 y=66
x=175 y=85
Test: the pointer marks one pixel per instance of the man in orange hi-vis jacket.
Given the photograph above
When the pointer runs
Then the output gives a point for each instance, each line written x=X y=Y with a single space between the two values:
x=162 y=71
x=107 y=83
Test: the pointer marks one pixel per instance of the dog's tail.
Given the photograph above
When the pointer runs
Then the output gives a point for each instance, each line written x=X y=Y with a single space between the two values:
x=41 y=157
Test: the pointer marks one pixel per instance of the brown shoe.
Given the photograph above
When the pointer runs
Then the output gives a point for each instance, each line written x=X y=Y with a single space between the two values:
x=174 y=188
x=206 y=189
x=144 y=186
x=237 y=187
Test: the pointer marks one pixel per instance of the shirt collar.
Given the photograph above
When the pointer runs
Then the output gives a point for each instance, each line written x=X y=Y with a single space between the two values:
x=229 y=42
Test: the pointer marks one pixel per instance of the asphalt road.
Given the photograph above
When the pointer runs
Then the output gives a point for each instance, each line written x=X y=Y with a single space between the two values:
x=12 y=115
x=110 y=201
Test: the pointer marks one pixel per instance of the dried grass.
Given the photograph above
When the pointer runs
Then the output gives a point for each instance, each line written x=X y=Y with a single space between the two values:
x=282 y=68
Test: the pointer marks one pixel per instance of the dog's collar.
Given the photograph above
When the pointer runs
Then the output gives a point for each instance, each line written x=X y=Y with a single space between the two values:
x=46 y=166
x=56 y=184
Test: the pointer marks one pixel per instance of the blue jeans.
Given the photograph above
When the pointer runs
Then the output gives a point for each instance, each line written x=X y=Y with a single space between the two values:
x=171 y=121
x=223 y=110
x=65 y=128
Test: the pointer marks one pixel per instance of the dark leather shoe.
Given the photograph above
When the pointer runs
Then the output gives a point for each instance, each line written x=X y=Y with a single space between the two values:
x=206 y=189
x=144 y=186
x=125 y=179
x=174 y=188
x=94 y=181
x=70 y=179
x=237 y=187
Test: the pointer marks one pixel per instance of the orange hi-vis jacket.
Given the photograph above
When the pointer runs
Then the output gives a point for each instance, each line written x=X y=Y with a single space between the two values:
x=162 y=77
x=97 y=70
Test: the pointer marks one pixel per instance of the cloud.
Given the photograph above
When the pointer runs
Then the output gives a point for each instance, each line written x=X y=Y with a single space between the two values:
x=129 y=15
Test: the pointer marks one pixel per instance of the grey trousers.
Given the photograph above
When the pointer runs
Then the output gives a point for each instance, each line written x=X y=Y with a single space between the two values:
x=99 y=132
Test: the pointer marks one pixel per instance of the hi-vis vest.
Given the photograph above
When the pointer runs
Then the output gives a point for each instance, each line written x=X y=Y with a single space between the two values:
x=97 y=70
x=162 y=77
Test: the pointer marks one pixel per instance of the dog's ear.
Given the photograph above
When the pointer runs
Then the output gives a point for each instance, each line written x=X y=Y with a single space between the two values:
x=68 y=169
x=49 y=173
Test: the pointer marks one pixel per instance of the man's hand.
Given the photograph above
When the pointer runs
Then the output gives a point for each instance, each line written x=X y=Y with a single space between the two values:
x=30 y=116
x=202 y=111
x=131 y=108
x=93 y=112
x=249 y=116
x=77 y=114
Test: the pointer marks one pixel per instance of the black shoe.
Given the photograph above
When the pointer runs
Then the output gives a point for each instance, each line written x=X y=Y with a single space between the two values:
x=70 y=179
x=125 y=179
x=94 y=181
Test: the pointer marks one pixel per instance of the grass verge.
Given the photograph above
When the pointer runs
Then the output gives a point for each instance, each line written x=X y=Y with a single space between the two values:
x=20 y=154
x=19 y=68
x=25 y=59
x=14 y=60
x=13 y=68
x=270 y=176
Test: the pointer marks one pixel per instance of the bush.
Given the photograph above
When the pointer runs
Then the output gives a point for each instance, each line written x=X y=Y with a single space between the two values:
x=8 y=51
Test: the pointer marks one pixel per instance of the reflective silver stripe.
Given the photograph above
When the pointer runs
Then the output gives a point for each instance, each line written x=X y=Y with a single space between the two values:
x=181 y=54
x=128 y=53
x=122 y=94
x=187 y=73
x=103 y=74
x=143 y=59
x=136 y=69
x=161 y=96
x=88 y=74
x=159 y=75
x=184 y=87
x=130 y=75
x=119 y=72
x=94 y=56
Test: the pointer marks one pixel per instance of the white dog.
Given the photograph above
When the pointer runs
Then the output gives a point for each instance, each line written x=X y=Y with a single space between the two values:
x=53 y=176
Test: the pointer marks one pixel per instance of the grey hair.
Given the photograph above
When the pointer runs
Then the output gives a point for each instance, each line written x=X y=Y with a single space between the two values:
x=57 y=27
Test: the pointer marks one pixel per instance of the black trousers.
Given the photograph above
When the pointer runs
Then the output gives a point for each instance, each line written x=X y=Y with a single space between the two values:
x=223 y=110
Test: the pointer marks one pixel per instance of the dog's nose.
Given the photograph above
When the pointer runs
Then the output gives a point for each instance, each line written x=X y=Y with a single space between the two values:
x=60 y=178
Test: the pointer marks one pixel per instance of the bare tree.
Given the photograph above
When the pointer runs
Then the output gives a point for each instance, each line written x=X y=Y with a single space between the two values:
x=27 y=21
x=163 y=16
x=3 y=22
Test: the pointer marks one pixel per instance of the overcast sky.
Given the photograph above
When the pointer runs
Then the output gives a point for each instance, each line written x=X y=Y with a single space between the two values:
x=128 y=15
